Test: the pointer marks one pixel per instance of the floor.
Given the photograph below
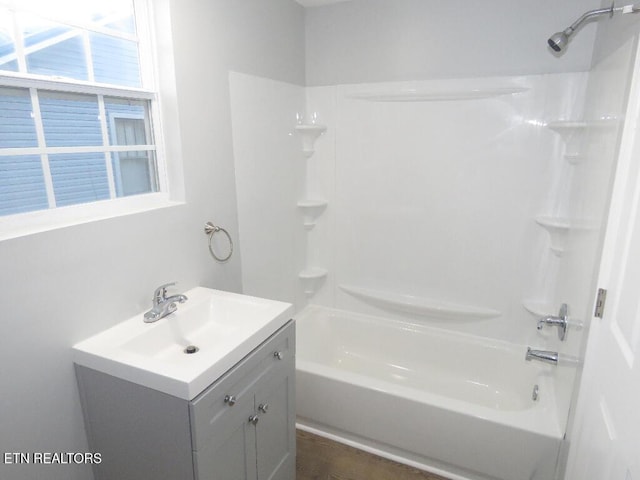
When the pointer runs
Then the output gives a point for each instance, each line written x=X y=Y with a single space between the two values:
x=321 y=459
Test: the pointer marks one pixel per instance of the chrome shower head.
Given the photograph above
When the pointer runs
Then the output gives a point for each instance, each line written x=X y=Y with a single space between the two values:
x=559 y=40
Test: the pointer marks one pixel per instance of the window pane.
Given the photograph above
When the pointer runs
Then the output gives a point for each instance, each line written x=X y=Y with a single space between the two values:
x=115 y=14
x=134 y=172
x=22 y=187
x=128 y=122
x=115 y=60
x=7 y=45
x=17 y=128
x=53 y=49
x=70 y=120
x=79 y=177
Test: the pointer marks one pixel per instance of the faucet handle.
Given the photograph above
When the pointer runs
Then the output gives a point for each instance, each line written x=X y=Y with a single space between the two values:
x=160 y=293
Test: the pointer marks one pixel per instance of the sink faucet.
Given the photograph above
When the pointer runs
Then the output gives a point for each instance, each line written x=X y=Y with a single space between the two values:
x=542 y=356
x=163 y=305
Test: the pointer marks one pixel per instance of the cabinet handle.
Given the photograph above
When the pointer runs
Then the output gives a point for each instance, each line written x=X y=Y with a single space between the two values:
x=230 y=400
x=253 y=419
x=263 y=407
x=278 y=355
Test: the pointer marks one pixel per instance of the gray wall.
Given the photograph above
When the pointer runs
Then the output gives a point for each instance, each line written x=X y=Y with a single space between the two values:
x=388 y=40
x=64 y=285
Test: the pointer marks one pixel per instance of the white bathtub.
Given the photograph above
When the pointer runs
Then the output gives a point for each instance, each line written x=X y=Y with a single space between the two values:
x=449 y=403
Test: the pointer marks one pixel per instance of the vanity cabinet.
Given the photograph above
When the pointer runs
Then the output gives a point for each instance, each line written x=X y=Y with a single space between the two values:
x=242 y=427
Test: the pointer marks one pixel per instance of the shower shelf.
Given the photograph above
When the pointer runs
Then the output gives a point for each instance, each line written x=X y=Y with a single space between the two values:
x=309 y=132
x=421 y=305
x=435 y=95
x=558 y=227
x=311 y=279
x=311 y=210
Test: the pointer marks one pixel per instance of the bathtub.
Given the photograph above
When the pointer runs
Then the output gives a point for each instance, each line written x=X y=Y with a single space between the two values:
x=452 y=404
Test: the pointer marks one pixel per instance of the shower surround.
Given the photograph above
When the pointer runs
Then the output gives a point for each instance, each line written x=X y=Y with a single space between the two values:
x=438 y=205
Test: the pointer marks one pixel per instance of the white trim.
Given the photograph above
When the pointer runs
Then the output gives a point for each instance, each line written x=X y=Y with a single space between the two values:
x=7 y=152
x=68 y=85
x=105 y=142
x=23 y=224
x=44 y=158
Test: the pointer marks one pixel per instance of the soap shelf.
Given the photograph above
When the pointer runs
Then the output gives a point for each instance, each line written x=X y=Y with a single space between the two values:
x=311 y=279
x=431 y=307
x=435 y=94
x=309 y=132
x=311 y=210
x=558 y=228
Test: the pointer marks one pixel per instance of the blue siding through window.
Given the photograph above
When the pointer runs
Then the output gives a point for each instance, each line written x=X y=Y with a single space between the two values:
x=22 y=187
x=17 y=128
x=79 y=177
x=70 y=121
x=65 y=59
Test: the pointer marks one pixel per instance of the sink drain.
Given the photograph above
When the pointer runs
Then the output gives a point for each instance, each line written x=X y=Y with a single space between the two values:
x=191 y=349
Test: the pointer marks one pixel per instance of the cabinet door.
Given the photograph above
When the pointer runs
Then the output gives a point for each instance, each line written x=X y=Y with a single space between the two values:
x=275 y=431
x=231 y=455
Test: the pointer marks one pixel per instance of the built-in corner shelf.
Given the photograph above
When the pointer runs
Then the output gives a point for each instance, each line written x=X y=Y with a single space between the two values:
x=558 y=227
x=311 y=279
x=430 y=307
x=440 y=94
x=311 y=210
x=309 y=132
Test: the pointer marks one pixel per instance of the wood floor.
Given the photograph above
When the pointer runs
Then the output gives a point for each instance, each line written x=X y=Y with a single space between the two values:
x=321 y=459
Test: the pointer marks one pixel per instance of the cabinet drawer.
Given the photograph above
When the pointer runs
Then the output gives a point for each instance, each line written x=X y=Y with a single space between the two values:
x=231 y=398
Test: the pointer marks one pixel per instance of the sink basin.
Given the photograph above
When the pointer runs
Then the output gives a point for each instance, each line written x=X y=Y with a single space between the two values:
x=223 y=327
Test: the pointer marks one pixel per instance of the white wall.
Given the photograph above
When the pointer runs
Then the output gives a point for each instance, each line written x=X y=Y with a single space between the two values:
x=64 y=285
x=383 y=40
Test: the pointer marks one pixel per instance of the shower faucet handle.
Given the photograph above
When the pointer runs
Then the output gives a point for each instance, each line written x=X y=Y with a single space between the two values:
x=561 y=321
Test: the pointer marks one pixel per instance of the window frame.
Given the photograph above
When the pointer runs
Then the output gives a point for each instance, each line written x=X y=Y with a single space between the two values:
x=158 y=79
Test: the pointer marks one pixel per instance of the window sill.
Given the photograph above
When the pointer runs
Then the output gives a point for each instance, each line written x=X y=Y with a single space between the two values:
x=20 y=225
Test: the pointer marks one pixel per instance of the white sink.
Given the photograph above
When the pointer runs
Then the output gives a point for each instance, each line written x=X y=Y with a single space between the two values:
x=224 y=327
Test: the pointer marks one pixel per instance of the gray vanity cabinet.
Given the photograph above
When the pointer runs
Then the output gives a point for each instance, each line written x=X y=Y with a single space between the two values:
x=244 y=424
x=240 y=428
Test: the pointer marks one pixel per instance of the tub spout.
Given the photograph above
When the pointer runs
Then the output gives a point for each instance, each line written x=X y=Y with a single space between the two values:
x=542 y=356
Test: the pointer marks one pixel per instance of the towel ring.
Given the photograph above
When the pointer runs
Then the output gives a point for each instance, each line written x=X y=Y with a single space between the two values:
x=210 y=229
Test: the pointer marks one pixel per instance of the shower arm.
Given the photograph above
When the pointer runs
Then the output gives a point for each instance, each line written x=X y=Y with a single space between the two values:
x=600 y=11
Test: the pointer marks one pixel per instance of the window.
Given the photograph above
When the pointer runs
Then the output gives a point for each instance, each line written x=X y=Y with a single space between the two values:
x=78 y=107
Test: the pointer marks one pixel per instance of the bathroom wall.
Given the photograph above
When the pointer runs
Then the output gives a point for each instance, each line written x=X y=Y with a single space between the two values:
x=64 y=285
x=381 y=40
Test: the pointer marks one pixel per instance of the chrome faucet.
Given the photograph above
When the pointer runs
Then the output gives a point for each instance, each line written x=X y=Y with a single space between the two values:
x=163 y=305
x=542 y=356
x=561 y=321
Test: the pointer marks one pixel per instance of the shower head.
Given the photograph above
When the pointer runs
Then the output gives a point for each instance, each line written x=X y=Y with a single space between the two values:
x=559 y=40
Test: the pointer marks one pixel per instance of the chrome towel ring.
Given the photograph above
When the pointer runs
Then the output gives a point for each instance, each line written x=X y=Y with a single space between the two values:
x=210 y=230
